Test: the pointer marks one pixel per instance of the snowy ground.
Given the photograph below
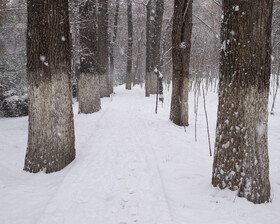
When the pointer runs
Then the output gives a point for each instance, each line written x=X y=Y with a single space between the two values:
x=132 y=166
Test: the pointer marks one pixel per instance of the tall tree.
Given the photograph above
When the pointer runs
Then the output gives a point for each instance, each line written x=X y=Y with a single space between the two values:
x=181 y=41
x=2 y=7
x=89 y=95
x=2 y=16
x=149 y=32
x=113 y=42
x=138 y=79
x=74 y=17
x=103 y=48
x=241 y=153
x=155 y=10
x=51 y=141
x=130 y=43
x=157 y=36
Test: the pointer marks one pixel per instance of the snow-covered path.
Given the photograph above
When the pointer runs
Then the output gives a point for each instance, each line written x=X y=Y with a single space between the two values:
x=132 y=166
x=115 y=178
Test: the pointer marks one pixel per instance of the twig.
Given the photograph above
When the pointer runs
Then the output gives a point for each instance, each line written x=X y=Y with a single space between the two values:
x=275 y=94
x=206 y=116
x=196 y=101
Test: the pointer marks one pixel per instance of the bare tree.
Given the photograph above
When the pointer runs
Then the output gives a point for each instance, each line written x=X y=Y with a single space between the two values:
x=130 y=43
x=113 y=42
x=241 y=155
x=103 y=48
x=51 y=141
x=155 y=10
x=138 y=77
x=75 y=19
x=181 y=41
x=89 y=95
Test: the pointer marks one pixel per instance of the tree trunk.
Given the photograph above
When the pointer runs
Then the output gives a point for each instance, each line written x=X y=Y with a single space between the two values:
x=138 y=64
x=241 y=154
x=89 y=95
x=75 y=33
x=115 y=31
x=160 y=85
x=51 y=142
x=103 y=48
x=149 y=31
x=181 y=41
x=153 y=31
x=156 y=42
x=2 y=7
x=130 y=43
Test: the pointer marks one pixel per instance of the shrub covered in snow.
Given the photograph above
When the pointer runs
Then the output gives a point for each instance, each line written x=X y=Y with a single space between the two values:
x=13 y=105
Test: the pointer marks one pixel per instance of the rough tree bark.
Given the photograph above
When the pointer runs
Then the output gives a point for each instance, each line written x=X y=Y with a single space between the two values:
x=241 y=153
x=89 y=95
x=103 y=49
x=130 y=43
x=51 y=141
x=181 y=41
x=155 y=10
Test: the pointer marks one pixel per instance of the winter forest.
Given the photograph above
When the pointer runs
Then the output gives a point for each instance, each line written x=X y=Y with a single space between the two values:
x=139 y=111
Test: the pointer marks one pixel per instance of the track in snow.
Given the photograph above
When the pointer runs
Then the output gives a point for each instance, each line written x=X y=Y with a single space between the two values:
x=132 y=166
x=116 y=177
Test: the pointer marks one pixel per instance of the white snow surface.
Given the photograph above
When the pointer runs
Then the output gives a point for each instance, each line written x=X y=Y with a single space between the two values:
x=132 y=166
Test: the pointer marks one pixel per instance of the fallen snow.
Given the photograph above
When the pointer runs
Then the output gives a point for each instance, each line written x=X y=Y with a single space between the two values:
x=132 y=166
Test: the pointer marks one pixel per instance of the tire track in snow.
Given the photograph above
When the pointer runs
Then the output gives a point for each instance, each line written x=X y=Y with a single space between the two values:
x=150 y=157
x=158 y=170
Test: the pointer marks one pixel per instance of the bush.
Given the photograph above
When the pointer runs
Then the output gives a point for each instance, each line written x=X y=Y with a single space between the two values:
x=12 y=105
